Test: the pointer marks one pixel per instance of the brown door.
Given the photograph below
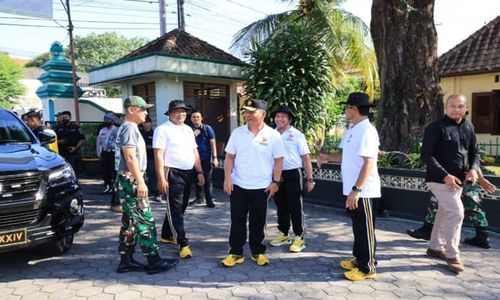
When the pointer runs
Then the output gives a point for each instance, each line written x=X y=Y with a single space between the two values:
x=213 y=102
x=147 y=91
x=483 y=112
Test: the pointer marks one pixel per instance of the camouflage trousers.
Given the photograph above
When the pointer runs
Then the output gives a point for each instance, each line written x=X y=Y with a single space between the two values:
x=473 y=210
x=138 y=224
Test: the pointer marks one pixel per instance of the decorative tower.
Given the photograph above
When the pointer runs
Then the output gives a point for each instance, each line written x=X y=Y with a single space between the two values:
x=56 y=92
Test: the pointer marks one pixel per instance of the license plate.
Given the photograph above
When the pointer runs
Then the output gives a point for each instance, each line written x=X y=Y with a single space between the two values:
x=9 y=238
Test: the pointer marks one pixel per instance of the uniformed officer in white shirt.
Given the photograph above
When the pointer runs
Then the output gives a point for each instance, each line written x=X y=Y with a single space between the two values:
x=361 y=184
x=289 y=197
x=252 y=174
x=176 y=160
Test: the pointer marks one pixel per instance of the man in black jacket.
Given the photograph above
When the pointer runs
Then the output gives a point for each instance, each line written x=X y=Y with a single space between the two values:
x=450 y=152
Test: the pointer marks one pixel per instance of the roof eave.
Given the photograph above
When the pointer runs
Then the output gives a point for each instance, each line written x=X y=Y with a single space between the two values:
x=466 y=73
x=122 y=61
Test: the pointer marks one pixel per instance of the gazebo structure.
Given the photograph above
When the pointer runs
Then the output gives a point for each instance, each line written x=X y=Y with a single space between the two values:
x=178 y=65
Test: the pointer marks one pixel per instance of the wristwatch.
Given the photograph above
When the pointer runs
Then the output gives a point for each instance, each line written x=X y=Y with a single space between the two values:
x=356 y=189
x=277 y=182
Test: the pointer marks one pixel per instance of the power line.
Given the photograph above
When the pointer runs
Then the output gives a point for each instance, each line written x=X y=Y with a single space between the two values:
x=247 y=7
x=214 y=12
x=108 y=13
x=83 y=21
x=79 y=27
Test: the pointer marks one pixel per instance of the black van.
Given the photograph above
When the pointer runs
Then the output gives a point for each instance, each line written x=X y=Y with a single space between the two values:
x=41 y=203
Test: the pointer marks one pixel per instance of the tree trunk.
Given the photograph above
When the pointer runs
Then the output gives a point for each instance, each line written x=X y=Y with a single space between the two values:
x=405 y=42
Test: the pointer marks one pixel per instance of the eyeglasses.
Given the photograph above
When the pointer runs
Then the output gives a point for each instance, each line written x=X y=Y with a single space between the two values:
x=350 y=106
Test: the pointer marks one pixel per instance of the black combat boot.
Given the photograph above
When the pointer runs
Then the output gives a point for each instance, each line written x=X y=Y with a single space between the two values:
x=129 y=264
x=210 y=203
x=423 y=233
x=481 y=239
x=156 y=264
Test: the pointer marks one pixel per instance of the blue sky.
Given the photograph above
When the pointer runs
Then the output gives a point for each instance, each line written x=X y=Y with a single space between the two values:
x=215 y=21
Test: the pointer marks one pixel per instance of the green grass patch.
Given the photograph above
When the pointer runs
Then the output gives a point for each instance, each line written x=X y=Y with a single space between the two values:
x=494 y=169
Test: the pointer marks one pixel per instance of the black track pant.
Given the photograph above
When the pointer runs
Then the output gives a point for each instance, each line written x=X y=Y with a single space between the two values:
x=288 y=201
x=206 y=165
x=108 y=167
x=179 y=182
x=252 y=204
x=363 y=227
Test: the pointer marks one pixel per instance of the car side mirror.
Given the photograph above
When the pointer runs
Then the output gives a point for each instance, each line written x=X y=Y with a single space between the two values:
x=46 y=137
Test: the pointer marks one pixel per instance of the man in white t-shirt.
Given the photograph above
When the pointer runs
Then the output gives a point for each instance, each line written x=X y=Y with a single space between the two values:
x=176 y=161
x=361 y=184
x=289 y=197
x=252 y=174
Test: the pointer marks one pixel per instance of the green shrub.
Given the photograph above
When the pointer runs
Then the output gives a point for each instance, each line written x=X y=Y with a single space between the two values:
x=89 y=146
x=488 y=160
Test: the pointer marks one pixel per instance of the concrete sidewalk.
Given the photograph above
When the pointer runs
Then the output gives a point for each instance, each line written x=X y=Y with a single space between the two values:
x=87 y=271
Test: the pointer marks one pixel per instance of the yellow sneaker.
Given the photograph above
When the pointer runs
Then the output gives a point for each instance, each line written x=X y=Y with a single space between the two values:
x=231 y=260
x=169 y=240
x=349 y=264
x=185 y=252
x=117 y=208
x=298 y=245
x=260 y=259
x=280 y=241
x=355 y=275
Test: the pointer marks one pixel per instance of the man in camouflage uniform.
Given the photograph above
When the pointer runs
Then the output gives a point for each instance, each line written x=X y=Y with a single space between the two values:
x=473 y=212
x=138 y=224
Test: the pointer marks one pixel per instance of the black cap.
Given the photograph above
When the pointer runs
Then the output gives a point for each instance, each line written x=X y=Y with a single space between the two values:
x=357 y=99
x=254 y=104
x=176 y=104
x=285 y=110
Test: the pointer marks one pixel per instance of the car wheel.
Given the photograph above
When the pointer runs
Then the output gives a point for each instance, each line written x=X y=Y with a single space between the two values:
x=59 y=246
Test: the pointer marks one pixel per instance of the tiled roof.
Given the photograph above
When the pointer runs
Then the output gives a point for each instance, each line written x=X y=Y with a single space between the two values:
x=179 y=42
x=479 y=53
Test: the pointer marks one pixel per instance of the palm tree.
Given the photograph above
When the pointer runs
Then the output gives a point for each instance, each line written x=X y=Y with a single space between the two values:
x=346 y=38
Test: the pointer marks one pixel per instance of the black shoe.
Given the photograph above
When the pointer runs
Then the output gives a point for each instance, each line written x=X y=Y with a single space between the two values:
x=157 y=264
x=481 y=240
x=210 y=204
x=129 y=264
x=423 y=233
x=197 y=201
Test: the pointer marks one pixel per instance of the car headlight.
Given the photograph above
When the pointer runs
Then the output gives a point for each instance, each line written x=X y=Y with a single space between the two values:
x=64 y=173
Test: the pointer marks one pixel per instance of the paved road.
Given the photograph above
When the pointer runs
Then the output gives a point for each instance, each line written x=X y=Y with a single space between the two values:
x=88 y=270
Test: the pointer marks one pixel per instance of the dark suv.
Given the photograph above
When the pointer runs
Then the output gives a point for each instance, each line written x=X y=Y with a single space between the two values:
x=41 y=204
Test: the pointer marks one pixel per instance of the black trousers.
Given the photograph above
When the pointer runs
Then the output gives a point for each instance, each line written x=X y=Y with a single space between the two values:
x=74 y=160
x=288 y=201
x=363 y=228
x=108 y=167
x=151 y=176
x=206 y=165
x=251 y=204
x=179 y=182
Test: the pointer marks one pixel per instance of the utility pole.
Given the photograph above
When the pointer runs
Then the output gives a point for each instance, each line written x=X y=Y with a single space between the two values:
x=163 y=24
x=180 y=15
x=72 y=57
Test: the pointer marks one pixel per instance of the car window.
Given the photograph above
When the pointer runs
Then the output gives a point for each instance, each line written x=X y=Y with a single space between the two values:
x=12 y=130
